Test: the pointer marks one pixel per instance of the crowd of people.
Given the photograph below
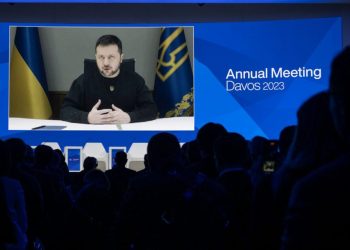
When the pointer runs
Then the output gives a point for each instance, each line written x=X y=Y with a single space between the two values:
x=218 y=191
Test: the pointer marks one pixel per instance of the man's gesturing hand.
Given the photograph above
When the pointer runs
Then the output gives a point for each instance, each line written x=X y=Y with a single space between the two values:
x=119 y=116
x=101 y=116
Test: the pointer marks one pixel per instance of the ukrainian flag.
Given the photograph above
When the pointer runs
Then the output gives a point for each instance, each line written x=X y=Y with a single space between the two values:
x=28 y=86
x=173 y=88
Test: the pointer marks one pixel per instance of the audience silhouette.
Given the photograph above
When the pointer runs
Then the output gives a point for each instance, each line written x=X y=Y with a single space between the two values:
x=12 y=210
x=219 y=191
x=318 y=211
x=205 y=138
x=284 y=142
x=233 y=162
x=89 y=164
x=119 y=177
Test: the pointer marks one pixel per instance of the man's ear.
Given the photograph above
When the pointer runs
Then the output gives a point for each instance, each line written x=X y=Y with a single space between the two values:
x=121 y=58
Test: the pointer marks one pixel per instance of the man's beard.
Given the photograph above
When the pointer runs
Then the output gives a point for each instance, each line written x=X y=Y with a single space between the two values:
x=112 y=73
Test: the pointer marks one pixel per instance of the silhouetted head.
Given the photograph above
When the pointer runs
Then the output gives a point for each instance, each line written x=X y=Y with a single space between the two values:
x=231 y=149
x=163 y=152
x=120 y=159
x=43 y=156
x=90 y=163
x=190 y=151
x=286 y=138
x=207 y=135
x=17 y=149
x=60 y=155
x=316 y=138
x=29 y=155
x=259 y=148
x=340 y=93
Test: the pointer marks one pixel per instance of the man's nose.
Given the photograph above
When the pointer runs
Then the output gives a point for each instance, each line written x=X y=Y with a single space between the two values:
x=105 y=61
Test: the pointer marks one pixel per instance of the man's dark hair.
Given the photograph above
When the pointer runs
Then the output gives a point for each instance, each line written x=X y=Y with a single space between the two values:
x=43 y=155
x=286 y=138
x=231 y=148
x=207 y=135
x=106 y=40
x=120 y=159
x=17 y=149
x=90 y=163
x=163 y=151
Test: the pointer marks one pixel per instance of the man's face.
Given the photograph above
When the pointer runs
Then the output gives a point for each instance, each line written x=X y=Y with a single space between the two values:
x=108 y=60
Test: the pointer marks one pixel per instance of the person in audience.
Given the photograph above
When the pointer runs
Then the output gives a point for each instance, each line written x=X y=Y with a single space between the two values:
x=62 y=166
x=57 y=202
x=261 y=228
x=119 y=176
x=29 y=155
x=7 y=230
x=110 y=94
x=190 y=151
x=260 y=151
x=167 y=203
x=12 y=209
x=89 y=164
x=232 y=159
x=93 y=219
x=284 y=142
x=318 y=211
x=31 y=187
x=206 y=137
x=148 y=212
x=315 y=144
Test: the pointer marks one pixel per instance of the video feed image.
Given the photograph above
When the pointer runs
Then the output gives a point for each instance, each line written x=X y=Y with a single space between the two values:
x=99 y=78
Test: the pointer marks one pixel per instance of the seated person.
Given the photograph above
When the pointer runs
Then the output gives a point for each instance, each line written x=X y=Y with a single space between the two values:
x=110 y=95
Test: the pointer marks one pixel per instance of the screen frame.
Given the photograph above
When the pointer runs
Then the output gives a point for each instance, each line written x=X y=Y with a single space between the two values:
x=66 y=155
x=16 y=124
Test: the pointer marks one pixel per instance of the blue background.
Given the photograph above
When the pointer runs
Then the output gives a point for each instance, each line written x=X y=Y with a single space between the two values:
x=256 y=45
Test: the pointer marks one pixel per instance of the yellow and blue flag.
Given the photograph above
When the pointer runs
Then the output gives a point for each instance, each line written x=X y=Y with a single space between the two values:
x=173 y=88
x=28 y=86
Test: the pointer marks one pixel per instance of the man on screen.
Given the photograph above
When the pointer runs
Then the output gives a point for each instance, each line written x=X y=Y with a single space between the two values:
x=108 y=95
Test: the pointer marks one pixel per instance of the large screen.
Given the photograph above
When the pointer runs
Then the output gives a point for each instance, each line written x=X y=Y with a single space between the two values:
x=249 y=76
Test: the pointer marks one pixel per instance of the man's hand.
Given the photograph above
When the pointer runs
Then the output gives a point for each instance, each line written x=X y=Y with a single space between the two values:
x=101 y=116
x=119 y=116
